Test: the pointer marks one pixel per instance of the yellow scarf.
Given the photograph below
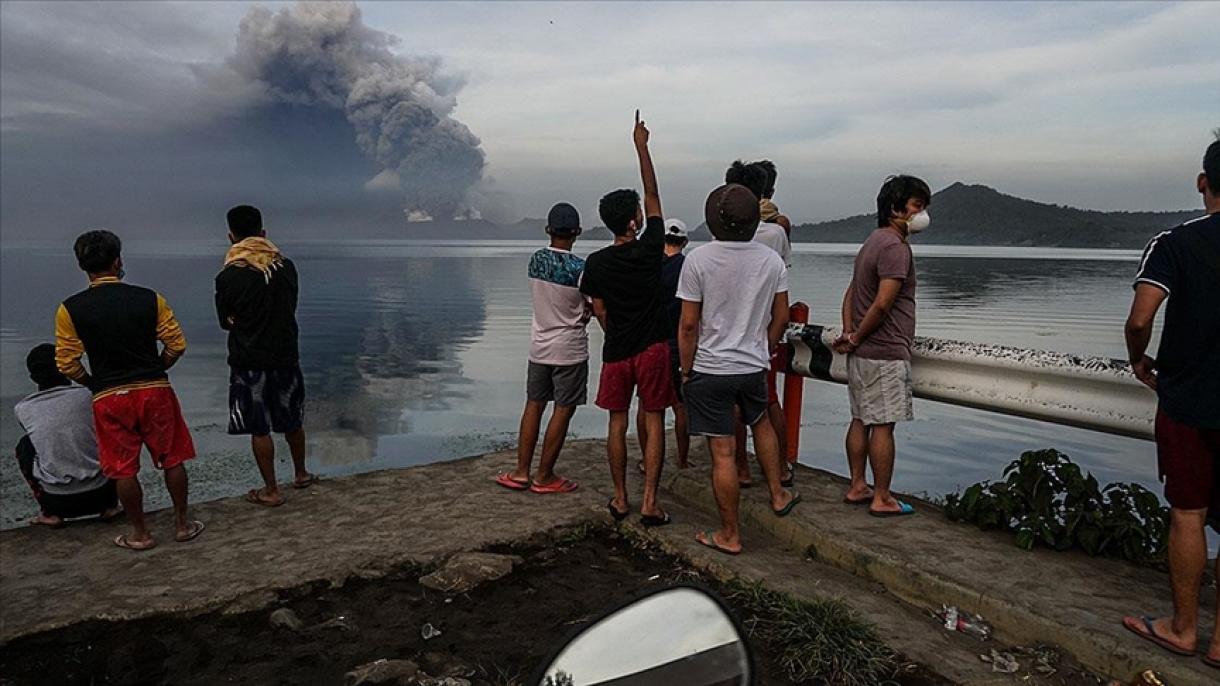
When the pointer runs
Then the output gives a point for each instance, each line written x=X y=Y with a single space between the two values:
x=255 y=252
x=767 y=210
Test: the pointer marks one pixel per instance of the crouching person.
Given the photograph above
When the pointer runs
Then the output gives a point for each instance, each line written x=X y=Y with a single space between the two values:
x=58 y=453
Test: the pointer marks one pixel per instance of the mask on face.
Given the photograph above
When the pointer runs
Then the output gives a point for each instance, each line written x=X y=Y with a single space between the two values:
x=919 y=222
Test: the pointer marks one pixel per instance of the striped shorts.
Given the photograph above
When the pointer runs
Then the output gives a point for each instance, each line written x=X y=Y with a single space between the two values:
x=879 y=390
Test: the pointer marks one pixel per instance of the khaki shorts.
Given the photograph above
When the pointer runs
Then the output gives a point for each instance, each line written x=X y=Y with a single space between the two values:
x=879 y=390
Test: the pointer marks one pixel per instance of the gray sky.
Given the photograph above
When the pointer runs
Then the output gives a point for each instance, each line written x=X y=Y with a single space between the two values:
x=133 y=116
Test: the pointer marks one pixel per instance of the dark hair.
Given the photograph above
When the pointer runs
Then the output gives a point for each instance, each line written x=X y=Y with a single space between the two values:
x=618 y=209
x=894 y=194
x=40 y=363
x=676 y=240
x=752 y=176
x=772 y=174
x=245 y=221
x=97 y=250
x=1211 y=167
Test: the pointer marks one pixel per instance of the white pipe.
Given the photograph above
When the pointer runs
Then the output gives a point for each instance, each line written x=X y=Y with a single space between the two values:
x=1090 y=392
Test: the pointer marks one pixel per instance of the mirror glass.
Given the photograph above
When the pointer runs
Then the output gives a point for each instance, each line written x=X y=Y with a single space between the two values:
x=677 y=636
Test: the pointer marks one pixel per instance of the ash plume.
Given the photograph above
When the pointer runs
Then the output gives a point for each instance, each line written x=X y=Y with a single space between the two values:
x=321 y=54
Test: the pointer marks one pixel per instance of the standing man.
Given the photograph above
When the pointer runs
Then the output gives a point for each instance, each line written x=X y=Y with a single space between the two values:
x=878 y=332
x=671 y=268
x=734 y=295
x=58 y=453
x=256 y=302
x=118 y=326
x=624 y=282
x=1183 y=266
x=559 y=355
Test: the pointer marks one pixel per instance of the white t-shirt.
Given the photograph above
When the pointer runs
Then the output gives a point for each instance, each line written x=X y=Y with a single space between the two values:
x=736 y=281
x=557 y=333
x=773 y=236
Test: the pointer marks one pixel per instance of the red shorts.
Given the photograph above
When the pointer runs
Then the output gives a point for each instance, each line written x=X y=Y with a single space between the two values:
x=649 y=370
x=1188 y=459
x=129 y=420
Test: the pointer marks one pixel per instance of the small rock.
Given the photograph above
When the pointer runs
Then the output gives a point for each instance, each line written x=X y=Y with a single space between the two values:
x=400 y=672
x=288 y=619
x=464 y=571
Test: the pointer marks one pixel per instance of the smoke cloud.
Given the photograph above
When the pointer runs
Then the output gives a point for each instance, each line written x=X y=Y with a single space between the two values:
x=321 y=54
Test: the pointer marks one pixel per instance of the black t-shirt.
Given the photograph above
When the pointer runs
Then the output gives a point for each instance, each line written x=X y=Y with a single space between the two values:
x=1185 y=263
x=264 y=331
x=671 y=269
x=628 y=278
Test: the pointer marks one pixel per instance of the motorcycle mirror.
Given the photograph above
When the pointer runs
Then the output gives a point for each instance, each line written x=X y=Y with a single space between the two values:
x=678 y=635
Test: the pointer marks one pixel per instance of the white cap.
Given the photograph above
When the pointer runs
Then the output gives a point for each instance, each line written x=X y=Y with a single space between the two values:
x=675 y=227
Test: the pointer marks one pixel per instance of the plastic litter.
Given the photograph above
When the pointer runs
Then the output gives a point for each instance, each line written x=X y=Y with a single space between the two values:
x=954 y=619
x=429 y=632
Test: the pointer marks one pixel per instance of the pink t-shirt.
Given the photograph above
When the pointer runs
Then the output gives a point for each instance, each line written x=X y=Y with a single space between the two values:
x=885 y=255
x=557 y=334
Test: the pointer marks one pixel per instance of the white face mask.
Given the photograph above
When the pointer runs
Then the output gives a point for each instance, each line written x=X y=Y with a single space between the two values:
x=919 y=222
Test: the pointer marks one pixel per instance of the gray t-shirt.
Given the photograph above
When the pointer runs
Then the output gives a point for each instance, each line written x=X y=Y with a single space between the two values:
x=59 y=422
x=885 y=255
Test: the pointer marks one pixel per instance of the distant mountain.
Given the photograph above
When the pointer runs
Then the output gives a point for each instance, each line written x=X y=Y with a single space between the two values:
x=979 y=215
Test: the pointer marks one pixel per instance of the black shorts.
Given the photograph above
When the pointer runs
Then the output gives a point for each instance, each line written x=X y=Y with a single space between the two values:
x=566 y=384
x=84 y=504
x=710 y=400
x=266 y=400
x=675 y=370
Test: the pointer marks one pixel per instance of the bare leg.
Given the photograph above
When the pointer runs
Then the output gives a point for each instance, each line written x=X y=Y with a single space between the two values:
x=616 y=451
x=527 y=439
x=1213 y=652
x=132 y=497
x=724 y=485
x=176 y=484
x=857 y=460
x=681 y=432
x=654 y=458
x=1187 y=558
x=264 y=455
x=552 y=443
x=641 y=432
x=780 y=424
x=296 y=447
x=740 y=456
x=767 y=447
x=881 y=457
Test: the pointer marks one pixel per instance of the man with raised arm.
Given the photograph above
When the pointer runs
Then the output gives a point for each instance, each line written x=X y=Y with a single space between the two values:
x=624 y=282
x=878 y=332
x=1182 y=265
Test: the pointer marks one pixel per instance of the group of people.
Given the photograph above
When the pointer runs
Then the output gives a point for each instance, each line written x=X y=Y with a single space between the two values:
x=697 y=333
x=700 y=333
x=85 y=428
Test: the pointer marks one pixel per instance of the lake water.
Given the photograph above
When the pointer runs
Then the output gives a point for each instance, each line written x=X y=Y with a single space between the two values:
x=415 y=352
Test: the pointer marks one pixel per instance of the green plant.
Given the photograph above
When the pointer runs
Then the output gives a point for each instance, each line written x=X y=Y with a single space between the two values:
x=1046 y=499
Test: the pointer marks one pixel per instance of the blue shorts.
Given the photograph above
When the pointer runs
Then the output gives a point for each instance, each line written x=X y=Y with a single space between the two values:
x=266 y=400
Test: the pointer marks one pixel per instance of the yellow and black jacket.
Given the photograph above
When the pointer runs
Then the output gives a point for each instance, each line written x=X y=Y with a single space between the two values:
x=117 y=325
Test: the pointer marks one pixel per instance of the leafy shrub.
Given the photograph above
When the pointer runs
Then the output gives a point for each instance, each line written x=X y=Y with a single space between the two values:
x=1046 y=499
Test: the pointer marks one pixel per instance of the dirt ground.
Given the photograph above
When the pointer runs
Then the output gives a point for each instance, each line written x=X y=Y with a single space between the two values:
x=495 y=635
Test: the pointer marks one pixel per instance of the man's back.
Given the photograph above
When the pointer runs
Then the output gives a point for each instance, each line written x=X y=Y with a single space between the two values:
x=736 y=282
x=558 y=335
x=773 y=236
x=59 y=423
x=1185 y=263
x=263 y=332
x=884 y=255
x=628 y=278
x=118 y=326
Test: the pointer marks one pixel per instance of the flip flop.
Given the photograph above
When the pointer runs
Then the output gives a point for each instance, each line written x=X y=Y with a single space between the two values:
x=708 y=541
x=867 y=500
x=788 y=481
x=556 y=485
x=194 y=528
x=313 y=479
x=905 y=510
x=122 y=542
x=253 y=497
x=1214 y=664
x=651 y=521
x=1149 y=634
x=506 y=480
x=618 y=516
x=786 y=509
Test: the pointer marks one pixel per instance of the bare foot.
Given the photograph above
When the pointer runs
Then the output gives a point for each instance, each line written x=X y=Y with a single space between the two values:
x=132 y=543
x=261 y=496
x=1160 y=631
x=786 y=496
x=718 y=541
x=306 y=480
x=188 y=531
x=47 y=520
x=859 y=495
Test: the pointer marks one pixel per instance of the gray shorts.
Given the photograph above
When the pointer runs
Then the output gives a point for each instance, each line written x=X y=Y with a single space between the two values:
x=566 y=384
x=879 y=390
x=710 y=400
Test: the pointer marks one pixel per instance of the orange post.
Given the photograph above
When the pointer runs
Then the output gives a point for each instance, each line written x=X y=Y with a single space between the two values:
x=794 y=390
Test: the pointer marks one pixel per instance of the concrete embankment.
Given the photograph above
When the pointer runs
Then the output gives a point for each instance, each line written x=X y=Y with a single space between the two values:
x=891 y=571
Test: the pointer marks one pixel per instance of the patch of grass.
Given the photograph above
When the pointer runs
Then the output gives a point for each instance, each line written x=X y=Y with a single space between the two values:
x=575 y=534
x=815 y=640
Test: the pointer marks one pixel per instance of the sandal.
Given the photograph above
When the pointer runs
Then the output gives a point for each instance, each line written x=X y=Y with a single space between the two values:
x=122 y=542
x=708 y=539
x=903 y=510
x=787 y=509
x=618 y=515
x=506 y=480
x=556 y=485
x=1145 y=629
x=194 y=528
x=313 y=479
x=655 y=520
x=255 y=496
